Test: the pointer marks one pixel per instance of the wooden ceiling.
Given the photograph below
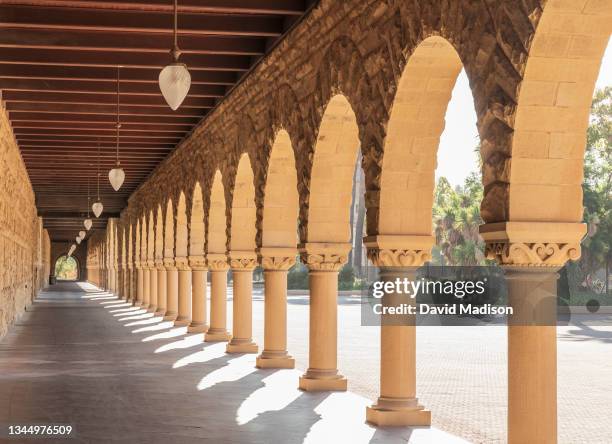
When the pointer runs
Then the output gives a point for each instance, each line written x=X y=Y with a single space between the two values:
x=58 y=70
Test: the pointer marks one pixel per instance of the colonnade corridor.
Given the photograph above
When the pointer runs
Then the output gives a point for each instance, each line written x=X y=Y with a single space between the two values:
x=80 y=356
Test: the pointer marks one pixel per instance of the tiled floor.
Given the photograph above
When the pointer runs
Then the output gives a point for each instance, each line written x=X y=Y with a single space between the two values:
x=82 y=357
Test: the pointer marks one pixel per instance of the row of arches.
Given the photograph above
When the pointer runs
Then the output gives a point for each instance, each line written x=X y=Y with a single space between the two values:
x=264 y=206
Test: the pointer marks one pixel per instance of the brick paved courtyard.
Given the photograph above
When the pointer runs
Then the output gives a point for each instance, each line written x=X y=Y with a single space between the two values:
x=462 y=372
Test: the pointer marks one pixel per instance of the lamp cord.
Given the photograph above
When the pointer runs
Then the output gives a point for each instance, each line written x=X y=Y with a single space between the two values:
x=118 y=123
x=176 y=52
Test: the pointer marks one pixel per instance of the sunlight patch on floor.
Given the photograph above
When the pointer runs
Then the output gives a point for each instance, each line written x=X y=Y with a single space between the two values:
x=161 y=326
x=179 y=331
x=154 y=320
x=214 y=351
x=135 y=317
x=129 y=310
x=118 y=305
x=276 y=395
x=234 y=370
x=187 y=342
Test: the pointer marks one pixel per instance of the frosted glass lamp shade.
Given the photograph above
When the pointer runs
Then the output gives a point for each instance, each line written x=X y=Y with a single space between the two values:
x=78 y=240
x=174 y=83
x=116 y=176
x=87 y=223
x=97 y=208
x=82 y=234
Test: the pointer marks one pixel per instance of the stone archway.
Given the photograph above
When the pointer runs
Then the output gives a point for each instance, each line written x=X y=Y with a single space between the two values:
x=67 y=268
x=281 y=199
x=413 y=134
x=279 y=239
x=330 y=194
x=216 y=255
x=243 y=220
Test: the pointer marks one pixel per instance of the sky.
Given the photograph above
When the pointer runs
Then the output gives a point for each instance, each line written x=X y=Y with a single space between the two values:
x=456 y=155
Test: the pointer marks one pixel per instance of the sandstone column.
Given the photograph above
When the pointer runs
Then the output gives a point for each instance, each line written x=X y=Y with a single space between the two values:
x=139 y=282
x=184 y=292
x=171 y=290
x=531 y=253
x=532 y=354
x=199 y=323
x=324 y=261
x=243 y=263
x=152 y=308
x=162 y=303
x=276 y=262
x=218 y=299
x=398 y=257
x=146 y=284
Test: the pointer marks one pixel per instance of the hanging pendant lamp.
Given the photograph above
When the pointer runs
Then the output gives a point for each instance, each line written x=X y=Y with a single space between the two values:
x=87 y=222
x=116 y=176
x=174 y=79
x=97 y=207
x=78 y=239
x=82 y=234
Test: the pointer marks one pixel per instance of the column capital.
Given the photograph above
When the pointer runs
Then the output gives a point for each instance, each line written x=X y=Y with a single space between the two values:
x=159 y=264
x=319 y=256
x=151 y=263
x=242 y=260
x=533 y=244
x=197 y=262
x=182 y=263
x=399 y=250
x=137 y=265
x=217 y=261
x=277 y=258
x=169 y=264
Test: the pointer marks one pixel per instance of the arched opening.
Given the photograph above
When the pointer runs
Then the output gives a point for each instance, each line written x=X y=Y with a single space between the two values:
x=137 y=243
x=66 y=268
x=143 y=240
x=413 y=135
x=196 y=230
x=182 y=232
x=151 y=238
x=243 y=222
x=281 y=199
x=330 y=194
x=159 y=234
x=217 y=238
x=169 y=231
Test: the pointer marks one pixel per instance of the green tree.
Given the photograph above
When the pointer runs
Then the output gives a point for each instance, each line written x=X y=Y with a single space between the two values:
x=597 y=189
x=456 y=217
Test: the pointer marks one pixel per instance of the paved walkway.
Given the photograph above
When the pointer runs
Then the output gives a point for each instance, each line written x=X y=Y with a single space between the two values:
x=82 y=357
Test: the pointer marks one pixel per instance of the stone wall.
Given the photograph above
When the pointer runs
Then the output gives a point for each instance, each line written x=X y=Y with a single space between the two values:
x=23 y=242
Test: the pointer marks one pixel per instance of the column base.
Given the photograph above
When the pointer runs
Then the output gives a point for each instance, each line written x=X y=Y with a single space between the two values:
x=170 y=316
x=217 y=335
x=182 y=321
x=325 y=381
x=381 y=416
x=160 y=312
x=241 y=346
x=197 y=328
x=264 y=361
x=151 y=309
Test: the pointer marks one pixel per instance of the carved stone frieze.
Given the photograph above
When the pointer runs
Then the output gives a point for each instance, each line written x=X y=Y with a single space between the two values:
x=398 y=257
x=532 y=254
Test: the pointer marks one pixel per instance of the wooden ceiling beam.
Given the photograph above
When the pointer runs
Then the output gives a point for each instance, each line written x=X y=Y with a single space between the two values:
x=122 y=21
x=101 y=99
x=79 y=40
